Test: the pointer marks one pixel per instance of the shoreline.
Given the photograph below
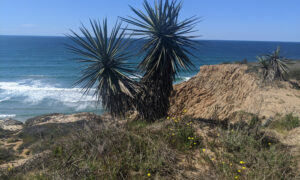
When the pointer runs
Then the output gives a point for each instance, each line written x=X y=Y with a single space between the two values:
x=294 y=66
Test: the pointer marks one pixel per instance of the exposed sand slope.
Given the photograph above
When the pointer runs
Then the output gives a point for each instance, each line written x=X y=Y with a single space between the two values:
x=219 y=91
x=11 y=125
x=60 y=118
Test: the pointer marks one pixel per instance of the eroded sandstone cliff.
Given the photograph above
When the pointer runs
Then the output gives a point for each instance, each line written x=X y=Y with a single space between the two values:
x=220 y=91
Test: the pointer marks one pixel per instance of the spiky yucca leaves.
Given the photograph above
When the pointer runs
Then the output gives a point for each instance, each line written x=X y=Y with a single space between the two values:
x=274 y=66
x=106 y=69
x=276 y=63
x=264 y=65
x=166 y=45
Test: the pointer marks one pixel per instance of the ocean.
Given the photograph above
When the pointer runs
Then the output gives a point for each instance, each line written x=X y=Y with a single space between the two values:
x=37 y=74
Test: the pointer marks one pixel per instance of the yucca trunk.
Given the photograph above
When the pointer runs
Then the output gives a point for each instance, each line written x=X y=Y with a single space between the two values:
x=154 y=99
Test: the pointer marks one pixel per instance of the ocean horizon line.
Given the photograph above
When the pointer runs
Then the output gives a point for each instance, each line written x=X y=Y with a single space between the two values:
x=227 y=40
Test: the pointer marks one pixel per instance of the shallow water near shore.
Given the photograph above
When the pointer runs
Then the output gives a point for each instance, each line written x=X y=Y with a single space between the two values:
x=37 y=73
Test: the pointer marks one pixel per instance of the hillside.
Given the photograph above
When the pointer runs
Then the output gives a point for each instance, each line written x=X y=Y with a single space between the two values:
x=221 y=91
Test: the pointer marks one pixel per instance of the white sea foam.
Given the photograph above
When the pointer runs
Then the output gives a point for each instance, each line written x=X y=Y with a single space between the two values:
x=136 y=76
x=187 y=78
x=4 y=116
x=5 y=99
x=35 y=91
x=36 y=75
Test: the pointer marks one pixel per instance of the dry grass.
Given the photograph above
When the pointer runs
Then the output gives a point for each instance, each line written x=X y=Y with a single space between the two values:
x=166 y=149
x=245 y=152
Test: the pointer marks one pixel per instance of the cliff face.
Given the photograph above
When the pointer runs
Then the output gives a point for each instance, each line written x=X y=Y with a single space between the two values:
x=220 y=91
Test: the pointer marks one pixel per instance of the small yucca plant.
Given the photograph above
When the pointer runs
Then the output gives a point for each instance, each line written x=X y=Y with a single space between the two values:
x=107 y=69
x=274 y=66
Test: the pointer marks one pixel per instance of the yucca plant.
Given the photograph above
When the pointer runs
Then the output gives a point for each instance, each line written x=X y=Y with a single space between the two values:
x=107 y=70
x=166 y=45
x=277 y=64
x=264 y=65
x=274 y=66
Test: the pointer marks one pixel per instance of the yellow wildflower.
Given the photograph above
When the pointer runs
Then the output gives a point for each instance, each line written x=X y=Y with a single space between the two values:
x=269 y=144
x=148 y=174
x=203 y=150
x=242 y=162
x=236 y=177
x=212 y=159
x=243 y=167
x=230 y=164
x=239 y=170
x=173 y=134
x=184 y=110
x=195 y=143
x=168 y=117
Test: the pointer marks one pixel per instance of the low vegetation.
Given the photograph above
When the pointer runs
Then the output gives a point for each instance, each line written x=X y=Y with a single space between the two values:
x=246 y=153
x=6 y=155
x=43 y=137
x=170 y=148
x=286 y=123
x=5 y=133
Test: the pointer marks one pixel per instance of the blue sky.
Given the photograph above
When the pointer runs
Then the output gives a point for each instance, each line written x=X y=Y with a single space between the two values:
x=264 y=20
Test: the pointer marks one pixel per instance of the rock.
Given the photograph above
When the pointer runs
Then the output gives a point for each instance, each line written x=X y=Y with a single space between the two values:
x=220 y=91
x=61 y=118
x=11 y=124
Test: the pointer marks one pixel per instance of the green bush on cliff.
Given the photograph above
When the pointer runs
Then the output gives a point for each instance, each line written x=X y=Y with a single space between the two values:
x=6 y=155
x=247 y=153
x=114 y=154
x=286 y=123
x=138 y=151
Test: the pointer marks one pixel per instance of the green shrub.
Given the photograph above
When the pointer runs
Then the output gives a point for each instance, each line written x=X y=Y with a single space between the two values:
x=43 y=137
x=294 y=74
x=113 y=154
x=181 y=136
x=12 y=140
x=249 y=154
x=288 y=122
x=5 y=133
x=6 y=155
